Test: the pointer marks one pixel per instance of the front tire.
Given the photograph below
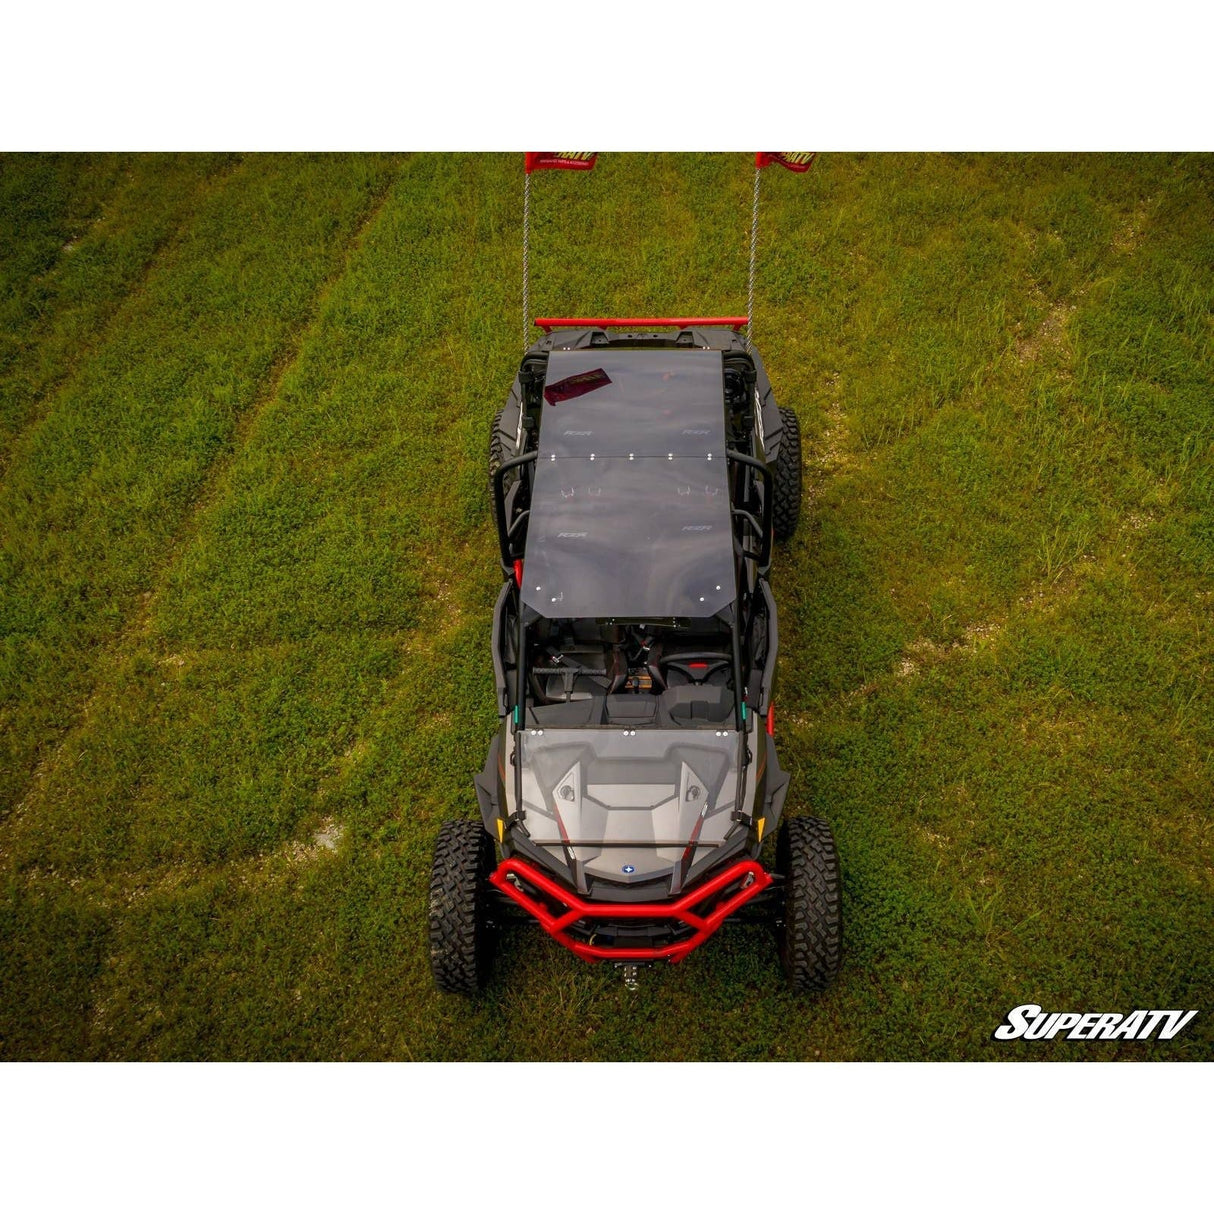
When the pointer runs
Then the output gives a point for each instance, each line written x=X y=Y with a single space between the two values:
x=786 y=504
x=462 y=938
x=810 y=933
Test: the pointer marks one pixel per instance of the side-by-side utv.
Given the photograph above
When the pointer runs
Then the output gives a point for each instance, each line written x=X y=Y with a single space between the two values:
x=639 y=472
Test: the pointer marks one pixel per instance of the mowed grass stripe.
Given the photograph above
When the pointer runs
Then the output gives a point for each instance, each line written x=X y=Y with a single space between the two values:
x=106 y=478
x=941 y=423
x=349 y=494
x=47 y=203
x=996 y=511
x=93 y=278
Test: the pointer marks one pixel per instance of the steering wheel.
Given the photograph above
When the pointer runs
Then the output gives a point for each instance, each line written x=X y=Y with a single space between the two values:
x=696 y=666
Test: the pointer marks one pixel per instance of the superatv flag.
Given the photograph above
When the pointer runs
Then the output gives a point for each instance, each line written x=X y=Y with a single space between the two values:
x=797 y=162
x=559 y=160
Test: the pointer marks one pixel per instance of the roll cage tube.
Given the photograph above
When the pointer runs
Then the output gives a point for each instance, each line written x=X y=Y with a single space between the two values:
x=763 y=557
x=520 y=701
x=739 y=688
x=505 y=536
x=507 y=528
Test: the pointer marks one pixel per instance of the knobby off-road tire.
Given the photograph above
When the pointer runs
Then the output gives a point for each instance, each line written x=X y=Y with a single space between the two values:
x=810 y=934
x=786 y=506
x=497 y=455
x=462 y=939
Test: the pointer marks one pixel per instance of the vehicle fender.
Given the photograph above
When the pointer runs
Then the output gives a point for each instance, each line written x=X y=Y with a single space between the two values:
x=773 y=427
x=508 y=423
x=485 y=783
x=777 y=789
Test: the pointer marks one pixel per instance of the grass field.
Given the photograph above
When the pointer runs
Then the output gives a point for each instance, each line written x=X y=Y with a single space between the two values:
x=248 y=568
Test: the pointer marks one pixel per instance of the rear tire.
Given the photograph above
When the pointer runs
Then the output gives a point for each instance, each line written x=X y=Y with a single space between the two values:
x=462 y=938
x=786 y=506
x=496 y=451
x=810 y=935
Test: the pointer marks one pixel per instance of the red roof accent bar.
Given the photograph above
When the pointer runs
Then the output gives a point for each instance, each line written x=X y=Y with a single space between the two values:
x=548 y=323
x=683 y=909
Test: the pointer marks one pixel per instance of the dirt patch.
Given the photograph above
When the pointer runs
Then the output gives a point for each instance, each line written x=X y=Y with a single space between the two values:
x=1128 y=237
x=1135 y=521
x=830 y=454
x=976 y=633
x=329 y=836
x=325 y=840
x=941 y=842
x=1049 y=335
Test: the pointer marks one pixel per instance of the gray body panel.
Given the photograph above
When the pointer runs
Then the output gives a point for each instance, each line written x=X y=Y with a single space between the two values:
x=629 y=805
x=641 y=808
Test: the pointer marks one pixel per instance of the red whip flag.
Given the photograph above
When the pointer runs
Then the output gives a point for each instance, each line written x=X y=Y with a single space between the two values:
x=798 y=162
x=532 y=163
x=795 y=162
x=559 y=160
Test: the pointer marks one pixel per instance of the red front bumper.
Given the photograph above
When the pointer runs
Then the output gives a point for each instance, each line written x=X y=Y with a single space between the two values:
x=750 y=877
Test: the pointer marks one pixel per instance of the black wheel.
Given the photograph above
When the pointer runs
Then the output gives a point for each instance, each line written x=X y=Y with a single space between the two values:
x=462 y=939
x=786 y=508
x=496 y=454
x=810 y=932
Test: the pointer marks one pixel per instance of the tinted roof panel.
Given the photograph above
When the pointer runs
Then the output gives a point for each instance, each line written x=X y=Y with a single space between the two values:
x=648 y=537
x=633 y=402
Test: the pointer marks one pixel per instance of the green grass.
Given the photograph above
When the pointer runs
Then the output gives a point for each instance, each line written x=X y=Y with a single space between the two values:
x=100 y=483
x=54 y=316
x=248 y=568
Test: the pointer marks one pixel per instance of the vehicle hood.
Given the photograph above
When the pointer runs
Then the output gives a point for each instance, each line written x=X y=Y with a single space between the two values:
x=629 y=805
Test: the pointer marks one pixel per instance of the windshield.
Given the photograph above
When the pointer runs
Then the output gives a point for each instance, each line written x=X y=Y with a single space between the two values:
x=629 y=805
